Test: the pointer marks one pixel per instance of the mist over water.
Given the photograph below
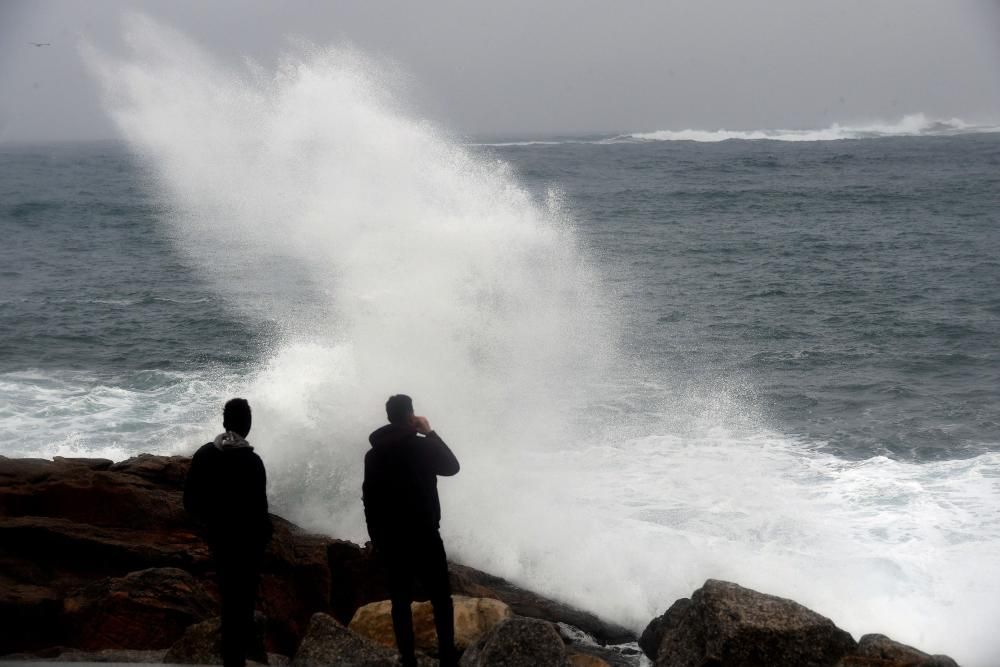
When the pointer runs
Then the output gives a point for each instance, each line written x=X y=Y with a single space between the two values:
x=394 y=259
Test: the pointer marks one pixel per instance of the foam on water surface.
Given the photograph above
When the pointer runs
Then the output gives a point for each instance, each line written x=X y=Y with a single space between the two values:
x=912 y=125
x=72 y=413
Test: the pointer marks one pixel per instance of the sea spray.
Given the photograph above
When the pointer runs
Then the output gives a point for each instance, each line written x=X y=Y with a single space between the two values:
x=395 y=260
x=392 y=258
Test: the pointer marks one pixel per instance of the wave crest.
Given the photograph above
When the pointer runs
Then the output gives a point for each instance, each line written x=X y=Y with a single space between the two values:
x=913 y=125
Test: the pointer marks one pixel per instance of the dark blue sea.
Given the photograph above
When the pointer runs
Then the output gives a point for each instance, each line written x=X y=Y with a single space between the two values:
x=659 y=360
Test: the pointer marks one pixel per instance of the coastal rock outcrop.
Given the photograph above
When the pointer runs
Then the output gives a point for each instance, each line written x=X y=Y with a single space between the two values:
x=142 y=610
x=76 y=535
x=726 y=625
x=327 y=642
x=99 y=562
x=518 y=642
x=201 y=644
x=97 y=555
x=876 y=650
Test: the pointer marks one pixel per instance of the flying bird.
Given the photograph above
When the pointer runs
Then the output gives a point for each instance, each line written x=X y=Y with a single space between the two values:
x=40 y=43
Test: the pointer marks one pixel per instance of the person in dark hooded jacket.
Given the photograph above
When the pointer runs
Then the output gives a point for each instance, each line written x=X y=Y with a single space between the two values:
x=225 y=491
x=404 y=514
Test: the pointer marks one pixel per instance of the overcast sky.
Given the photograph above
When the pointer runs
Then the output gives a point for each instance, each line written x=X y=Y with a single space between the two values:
x=519 y=68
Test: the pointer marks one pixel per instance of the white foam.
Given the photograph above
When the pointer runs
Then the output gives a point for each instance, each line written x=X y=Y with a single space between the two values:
x=70 y=413
x=624 y=526
x=912 y=125
x=535 y=142
x=398 y=261
x=908 y=126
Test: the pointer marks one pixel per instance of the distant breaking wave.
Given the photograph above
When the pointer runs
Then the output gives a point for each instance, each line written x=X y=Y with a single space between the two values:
x=912 y=125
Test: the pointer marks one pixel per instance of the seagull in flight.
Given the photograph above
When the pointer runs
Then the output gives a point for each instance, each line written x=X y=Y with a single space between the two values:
x=40 y=43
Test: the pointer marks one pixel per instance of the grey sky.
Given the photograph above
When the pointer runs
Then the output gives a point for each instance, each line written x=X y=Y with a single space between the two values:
x=558 y=66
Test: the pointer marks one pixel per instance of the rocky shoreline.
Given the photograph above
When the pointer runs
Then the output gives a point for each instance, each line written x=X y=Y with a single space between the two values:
x=100 y=563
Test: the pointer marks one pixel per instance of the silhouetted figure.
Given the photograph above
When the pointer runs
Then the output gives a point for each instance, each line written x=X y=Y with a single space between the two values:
x=404 y=514
x=225 y=491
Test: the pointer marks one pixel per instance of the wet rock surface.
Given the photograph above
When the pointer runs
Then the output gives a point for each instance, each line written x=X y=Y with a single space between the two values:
x=475 y=583
x=474 y=617
x=875 y=650
x=518 y=642
x=201 y=644
x=98 y=555
x=327 y=642
x=725 y=624
x=142 y=610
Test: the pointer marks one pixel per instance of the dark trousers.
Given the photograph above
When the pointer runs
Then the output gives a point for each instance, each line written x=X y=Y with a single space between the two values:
x=420 y=558
x=238 y=568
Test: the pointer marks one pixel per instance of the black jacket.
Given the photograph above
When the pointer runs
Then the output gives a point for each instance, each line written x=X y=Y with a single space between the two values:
x=400 y=487
x=225 y=491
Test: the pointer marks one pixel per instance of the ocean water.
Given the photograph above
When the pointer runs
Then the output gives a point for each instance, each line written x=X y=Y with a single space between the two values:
x=764 y=356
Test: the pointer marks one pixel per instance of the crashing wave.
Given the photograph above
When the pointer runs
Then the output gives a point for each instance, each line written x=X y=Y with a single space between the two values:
x=909 y=126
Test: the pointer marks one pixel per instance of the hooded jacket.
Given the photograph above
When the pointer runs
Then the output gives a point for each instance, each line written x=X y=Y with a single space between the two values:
x=400 y=488
x=225 y=491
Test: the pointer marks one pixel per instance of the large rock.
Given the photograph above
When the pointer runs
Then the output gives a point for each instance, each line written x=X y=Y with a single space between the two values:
x=726 y=625
x=46 y=560
x=201 y=644
x=168 y=471
x=475 y=583
x=518 y=642
x=585 y=660
x=148 y=609
x=108 y=496
x=672 y=618
x=327 y=642
x=474 y=617
x=879 y=651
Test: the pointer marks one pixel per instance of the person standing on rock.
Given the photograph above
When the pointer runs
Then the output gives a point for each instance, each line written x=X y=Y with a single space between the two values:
x=225 y=491
x=404 y=514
